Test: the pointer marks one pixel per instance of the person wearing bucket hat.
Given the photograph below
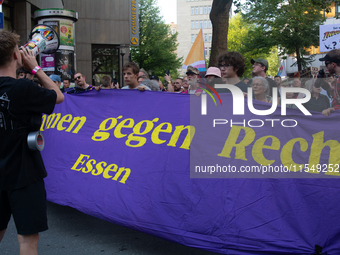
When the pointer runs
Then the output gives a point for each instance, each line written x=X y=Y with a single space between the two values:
x=332 y=62
x=212 y=72
x=213 y=76
x=260 y=67
x=56 y=79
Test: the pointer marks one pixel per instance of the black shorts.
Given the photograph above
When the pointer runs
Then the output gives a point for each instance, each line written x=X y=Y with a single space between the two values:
x=28 y=206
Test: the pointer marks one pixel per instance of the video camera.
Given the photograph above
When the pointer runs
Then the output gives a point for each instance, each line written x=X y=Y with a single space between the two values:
x=320 y=81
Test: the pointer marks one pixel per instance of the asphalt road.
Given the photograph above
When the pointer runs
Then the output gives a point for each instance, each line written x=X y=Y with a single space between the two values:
x=74 y=233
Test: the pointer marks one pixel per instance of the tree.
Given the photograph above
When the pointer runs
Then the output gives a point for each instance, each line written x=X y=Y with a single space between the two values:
x=241 y=31
x=292 y=25
x=219 y=16
x=157 y=45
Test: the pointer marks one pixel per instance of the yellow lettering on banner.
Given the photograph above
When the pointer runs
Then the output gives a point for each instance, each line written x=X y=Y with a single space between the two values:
x=110 y=168
x=159 y=129
x=55 y=120
x=50 y=120
x=136 y=139
x=82 y=121
x=187 y=141
x=117 y=133
x=126 y=175
x=258 y=147
x=101 y=136
x=100 y=168
x=137 y=131
x=231 y=142
x=67 y=119
x=287 y=153
x=316 y=149
x=89 y=166
x=79 y=160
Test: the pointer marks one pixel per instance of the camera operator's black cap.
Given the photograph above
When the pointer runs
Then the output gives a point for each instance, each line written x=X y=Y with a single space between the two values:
x=154 y=77
x=328 y=58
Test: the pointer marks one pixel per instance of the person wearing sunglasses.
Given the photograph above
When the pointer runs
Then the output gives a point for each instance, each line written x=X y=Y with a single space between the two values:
x=81 y=85
x=232 y=66
x=332 y=63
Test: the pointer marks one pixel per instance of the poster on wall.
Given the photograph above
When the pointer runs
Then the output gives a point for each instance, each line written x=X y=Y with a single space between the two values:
x=54 y=24
x=66 y=33
x=329 y=37
x=64 y=64
x=47 y=62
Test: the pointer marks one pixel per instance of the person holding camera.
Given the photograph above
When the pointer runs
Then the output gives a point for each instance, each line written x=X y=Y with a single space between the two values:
x=22 y=190
x=332 y=62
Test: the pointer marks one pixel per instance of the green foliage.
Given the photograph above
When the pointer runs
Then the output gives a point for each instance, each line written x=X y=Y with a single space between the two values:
x=292 y=25
x=157 y=46
x=240 y=33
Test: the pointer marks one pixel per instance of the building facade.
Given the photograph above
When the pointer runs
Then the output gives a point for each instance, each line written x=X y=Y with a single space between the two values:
x=102 y=32
x=316 y=65
x=192 y=15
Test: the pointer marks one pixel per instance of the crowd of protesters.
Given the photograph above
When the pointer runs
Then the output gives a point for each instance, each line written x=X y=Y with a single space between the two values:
x=22 y=99
x=229 y=70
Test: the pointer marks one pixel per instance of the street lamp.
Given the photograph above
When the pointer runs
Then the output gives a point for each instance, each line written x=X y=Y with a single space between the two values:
x=122 y=53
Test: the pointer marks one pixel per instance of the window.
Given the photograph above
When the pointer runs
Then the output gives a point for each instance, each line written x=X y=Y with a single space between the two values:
x=8 y=17
x=337 y=9
x=196 y=10
x=192 y=38
x=192 y=10
x=205 y=37
x=209 y=23
x=197 y=24
x=206 y=51
x=210 y=38
x=205 y=10
x=209 y=9
x=205 y=24
x=105 y=59
x=192 y=24
x=201 y=23
x=201 y=10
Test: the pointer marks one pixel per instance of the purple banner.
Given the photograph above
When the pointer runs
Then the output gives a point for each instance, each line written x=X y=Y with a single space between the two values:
x=127 y=157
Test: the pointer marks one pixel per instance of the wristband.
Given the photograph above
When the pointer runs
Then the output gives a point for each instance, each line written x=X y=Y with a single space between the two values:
x=35 y=70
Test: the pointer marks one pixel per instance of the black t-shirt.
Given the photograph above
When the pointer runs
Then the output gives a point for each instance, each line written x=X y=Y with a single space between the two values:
x=21 y=101
x=272 y=84
x=317 y=105
x=241 y=85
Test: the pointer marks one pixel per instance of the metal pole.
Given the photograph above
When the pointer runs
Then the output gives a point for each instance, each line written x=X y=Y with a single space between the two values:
x=122 y=53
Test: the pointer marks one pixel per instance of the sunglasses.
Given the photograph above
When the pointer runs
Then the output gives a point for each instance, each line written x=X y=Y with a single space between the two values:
x=327 y=63
x=78 y=77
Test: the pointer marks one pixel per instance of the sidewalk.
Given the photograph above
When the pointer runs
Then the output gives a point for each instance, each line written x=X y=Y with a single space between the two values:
x=74 y=233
